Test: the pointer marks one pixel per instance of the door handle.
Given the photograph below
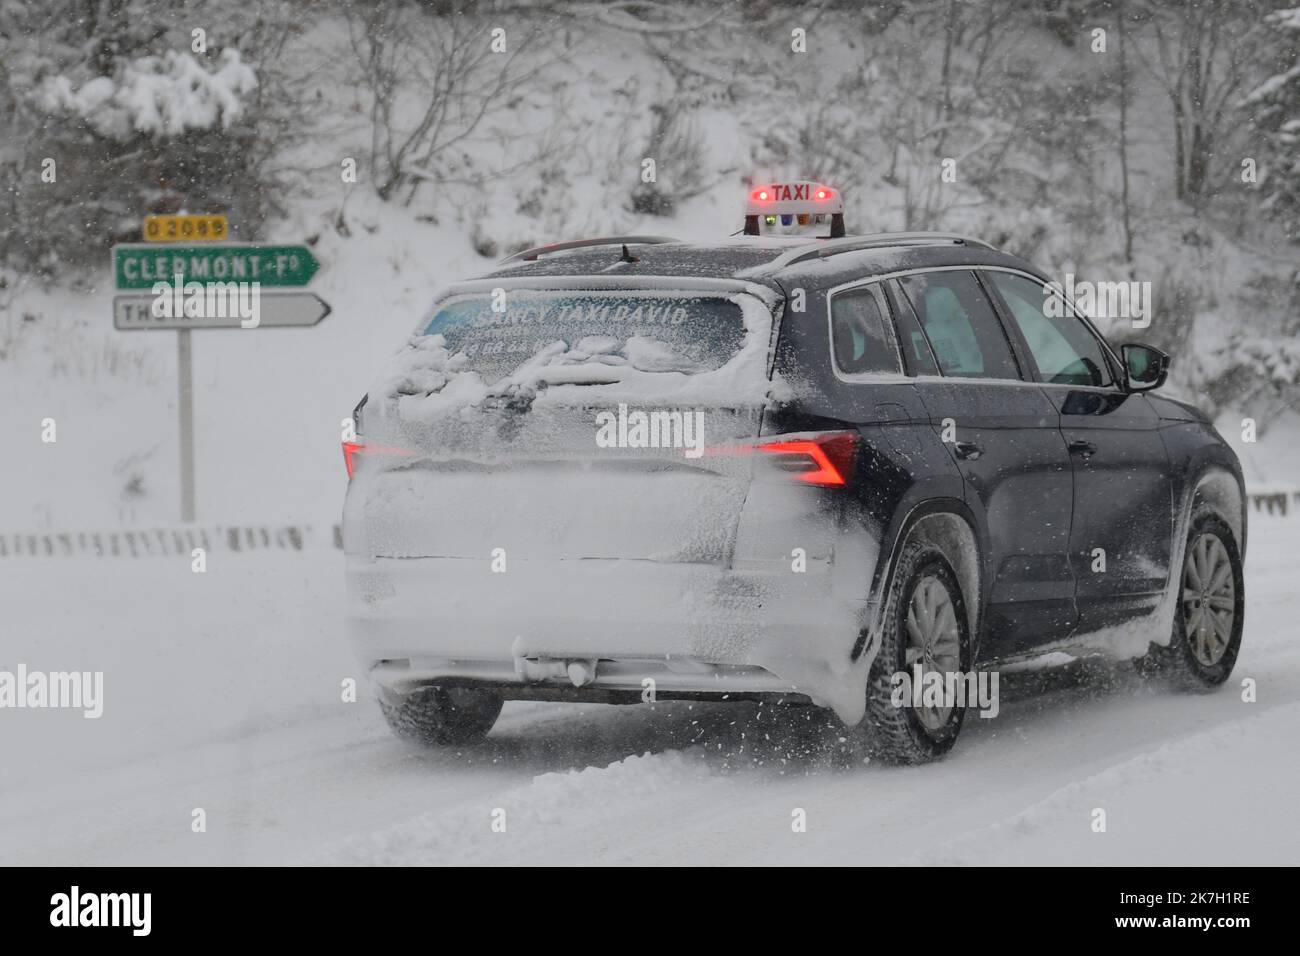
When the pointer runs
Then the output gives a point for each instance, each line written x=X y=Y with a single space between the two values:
x=1081 y=447
x=967 y=450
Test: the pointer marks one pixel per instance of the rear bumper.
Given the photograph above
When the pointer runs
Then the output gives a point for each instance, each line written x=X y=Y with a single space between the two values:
x=603 y=681
x=690 y=628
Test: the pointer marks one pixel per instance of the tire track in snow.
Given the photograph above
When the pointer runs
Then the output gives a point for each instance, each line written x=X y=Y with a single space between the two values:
x=544 y=821
x=1121 y=790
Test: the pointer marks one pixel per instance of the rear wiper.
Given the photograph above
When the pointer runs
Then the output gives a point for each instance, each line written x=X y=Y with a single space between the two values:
x=517 y=400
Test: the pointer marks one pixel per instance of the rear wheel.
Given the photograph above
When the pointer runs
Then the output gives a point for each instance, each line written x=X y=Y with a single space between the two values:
x=442 y=716
x=1208 y=620
x=925 y=632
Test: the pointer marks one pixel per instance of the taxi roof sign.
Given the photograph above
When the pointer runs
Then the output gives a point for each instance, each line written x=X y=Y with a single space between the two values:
x=798 y=197
x=794 y=209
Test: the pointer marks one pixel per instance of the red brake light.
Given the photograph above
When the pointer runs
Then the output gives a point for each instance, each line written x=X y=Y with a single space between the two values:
x=350 y=450
x=353 y=449
x=825 y=460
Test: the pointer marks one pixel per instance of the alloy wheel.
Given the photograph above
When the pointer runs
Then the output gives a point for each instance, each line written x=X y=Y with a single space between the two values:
x=1209 y=598
x=933 y=641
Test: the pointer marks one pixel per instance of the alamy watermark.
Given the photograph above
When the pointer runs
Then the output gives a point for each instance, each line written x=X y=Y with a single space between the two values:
x=657 y=428
x=931 y=689
x=1100 y=300
x=208 y=300
x=75 y=908
x=67 y=690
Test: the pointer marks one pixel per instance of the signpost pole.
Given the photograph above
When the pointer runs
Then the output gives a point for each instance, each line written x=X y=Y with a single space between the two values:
x=185 y=405
x=183 y=245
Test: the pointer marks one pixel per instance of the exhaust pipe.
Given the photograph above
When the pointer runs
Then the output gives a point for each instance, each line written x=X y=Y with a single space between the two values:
x=578 y=672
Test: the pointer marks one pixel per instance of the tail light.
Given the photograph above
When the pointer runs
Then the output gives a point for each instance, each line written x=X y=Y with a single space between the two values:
x=353 y=450
x=825 y=460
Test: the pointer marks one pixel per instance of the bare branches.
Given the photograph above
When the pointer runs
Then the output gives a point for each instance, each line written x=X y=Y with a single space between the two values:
x=438 y=85
x=1205 y=52
x=662 y=18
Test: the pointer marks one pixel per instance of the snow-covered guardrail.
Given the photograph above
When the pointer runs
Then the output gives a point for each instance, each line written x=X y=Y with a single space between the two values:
x=159 y=542
x=1275 y=502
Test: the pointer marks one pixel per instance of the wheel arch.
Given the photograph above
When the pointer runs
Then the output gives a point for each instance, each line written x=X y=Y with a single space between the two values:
x=1221 y=487
x=948 y=524
x=1221 y=490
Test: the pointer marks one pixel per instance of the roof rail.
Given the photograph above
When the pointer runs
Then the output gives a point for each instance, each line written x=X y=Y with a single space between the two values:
x=530 y=255
x=879 y=240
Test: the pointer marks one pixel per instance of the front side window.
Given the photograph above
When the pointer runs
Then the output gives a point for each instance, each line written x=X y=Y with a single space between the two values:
x=958 y=319
x=861 y=334
x=1064 y=349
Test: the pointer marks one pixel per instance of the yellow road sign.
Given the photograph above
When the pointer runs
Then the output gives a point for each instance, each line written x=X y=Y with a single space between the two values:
x=213 y=228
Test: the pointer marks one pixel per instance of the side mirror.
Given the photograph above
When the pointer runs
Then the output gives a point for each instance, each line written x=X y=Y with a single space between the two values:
x=1145 y=367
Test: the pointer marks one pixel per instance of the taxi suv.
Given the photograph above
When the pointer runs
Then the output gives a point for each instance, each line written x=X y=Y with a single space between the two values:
x=778 y=468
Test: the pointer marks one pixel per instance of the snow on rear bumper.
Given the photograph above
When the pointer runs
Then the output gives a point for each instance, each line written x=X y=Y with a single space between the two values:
x=689 y=627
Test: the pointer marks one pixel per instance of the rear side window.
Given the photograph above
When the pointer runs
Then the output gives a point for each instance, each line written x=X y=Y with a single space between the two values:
x=650 y=332
x=964 y=331
x=1064 y=350
x=861 y=336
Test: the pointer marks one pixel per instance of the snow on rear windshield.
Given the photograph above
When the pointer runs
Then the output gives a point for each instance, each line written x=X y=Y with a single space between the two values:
x=654 y=332
x=717 y=355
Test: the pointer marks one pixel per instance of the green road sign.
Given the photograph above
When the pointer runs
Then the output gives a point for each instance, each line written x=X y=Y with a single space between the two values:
x=140 y=265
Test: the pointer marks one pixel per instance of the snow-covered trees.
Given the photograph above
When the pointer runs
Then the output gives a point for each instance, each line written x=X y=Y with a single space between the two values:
x=1204 y=53
x=1108 y=137
x=110 y=109
x=1275 y=104
x=159 y=96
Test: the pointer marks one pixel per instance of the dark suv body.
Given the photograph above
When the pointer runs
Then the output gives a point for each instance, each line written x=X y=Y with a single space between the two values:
x=949 y=468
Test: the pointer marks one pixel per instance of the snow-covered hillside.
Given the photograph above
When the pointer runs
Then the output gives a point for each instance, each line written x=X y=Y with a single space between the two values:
x=269 y=402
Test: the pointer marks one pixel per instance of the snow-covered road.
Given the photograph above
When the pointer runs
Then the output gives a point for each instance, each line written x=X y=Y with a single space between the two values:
x=222 y=692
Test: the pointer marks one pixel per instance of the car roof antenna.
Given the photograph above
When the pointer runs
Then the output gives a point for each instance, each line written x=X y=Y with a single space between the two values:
x=627 y=256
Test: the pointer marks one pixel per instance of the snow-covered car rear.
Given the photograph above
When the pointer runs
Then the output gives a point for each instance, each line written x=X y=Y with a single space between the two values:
x=785 y=469
x=561 y=496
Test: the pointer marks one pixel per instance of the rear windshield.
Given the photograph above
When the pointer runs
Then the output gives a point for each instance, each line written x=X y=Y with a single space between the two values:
x=651 y=332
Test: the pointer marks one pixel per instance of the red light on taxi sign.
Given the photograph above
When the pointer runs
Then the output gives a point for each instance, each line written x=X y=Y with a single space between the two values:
x=796 y=208
x=794 y=199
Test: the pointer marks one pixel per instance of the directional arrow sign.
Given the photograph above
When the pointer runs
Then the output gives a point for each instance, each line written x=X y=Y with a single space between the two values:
x=131 y=312
x=140 y=265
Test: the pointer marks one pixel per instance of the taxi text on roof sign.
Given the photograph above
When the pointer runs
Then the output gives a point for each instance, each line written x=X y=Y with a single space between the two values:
x=139 y=266
x=794 y=209
x=799 y=197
